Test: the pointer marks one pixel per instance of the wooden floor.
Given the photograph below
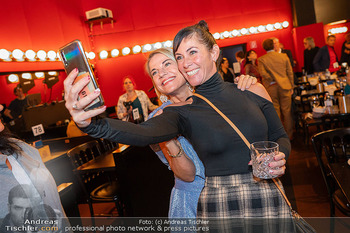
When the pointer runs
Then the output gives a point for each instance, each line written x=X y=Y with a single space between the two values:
x=303 y=183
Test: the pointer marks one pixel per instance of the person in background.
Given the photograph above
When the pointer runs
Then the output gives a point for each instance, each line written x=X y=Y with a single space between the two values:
x=18 y=105
x=347 y=86
x=251 y=65
x=279 y=48
x=326 y=58
x=309 y=54
x=277 y=77
x=345 y=50
x=225 y=71
x=134 y=104
x=241 y=60
x=21 y=165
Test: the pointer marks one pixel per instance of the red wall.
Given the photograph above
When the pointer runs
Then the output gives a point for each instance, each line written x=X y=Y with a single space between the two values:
x=40 y=24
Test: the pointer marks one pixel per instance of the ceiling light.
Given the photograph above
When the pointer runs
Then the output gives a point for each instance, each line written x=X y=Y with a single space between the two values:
x=27 y=76
x=136 y=49
x=244 y=31
x=91 y=55
x=226 y=34
x=147 y=47
x=126 y=51
x=253 y=30
x=285 y=24
x=235 y=32
x=18 y=54
x=157 y=45
x=114 y=52
x=261 y=28
x=52 y=73
x=4 y=54
x=41 y=55
x=278 y=25
x=269 y=27
x=103 y=54
x=39 y=74
x=30 y=55
x=13 y=78
x=216 y=35
x=168 y=44
x=51 y=55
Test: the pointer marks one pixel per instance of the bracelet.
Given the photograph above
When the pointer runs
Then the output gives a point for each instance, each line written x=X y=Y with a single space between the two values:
x=178 y=154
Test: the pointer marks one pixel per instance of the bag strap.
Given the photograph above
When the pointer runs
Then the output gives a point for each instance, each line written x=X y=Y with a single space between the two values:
x=243 y=138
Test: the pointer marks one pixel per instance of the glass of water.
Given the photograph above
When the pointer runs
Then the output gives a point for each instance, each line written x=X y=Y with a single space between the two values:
x=262 y=153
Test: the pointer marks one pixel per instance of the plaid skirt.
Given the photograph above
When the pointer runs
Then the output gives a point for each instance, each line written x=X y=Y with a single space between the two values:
x=241 y=196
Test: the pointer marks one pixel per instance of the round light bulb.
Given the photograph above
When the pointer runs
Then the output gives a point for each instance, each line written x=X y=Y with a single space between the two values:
x=30 y=54
x=235 y=32
x=244 y=31
x=91 y=55
x=157 y=45
x=103 y=54
x=41 y=55
x=253 y=30
x=278 y=25
x=18 y=54
x=4 y=54
x=226 y=34
x=216 y=35
x=52 y=73
x=126 y=51
x=285 y=24
x=51 y=55
x=39 y=74
x=261 y=28
x=136 y=49
x=13 y=78
x=114 y=52
x=269 y=27
x=147 y=47
x=27 y=76
x=168 y=44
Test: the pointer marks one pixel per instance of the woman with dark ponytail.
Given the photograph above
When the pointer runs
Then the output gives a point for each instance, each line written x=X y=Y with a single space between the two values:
x=20 y=167
x=230 y=190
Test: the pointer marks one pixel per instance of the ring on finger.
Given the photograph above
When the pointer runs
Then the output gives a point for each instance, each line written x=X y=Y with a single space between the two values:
x=75 y=106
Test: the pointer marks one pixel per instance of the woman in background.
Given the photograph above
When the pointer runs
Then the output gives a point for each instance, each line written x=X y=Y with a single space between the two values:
x=225 y=71
x=251 y=66
x=309 y=54
x=26 y=185
x=134 y=104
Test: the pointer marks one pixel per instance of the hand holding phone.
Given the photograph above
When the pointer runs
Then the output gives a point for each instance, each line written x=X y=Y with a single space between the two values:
x=73 y=56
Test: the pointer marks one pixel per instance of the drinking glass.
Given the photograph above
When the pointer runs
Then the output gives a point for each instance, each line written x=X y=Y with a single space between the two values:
x=262 y=153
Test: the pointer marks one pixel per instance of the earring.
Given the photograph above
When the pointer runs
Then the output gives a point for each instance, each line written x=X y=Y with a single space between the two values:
x=189 y=87
x=163 y=98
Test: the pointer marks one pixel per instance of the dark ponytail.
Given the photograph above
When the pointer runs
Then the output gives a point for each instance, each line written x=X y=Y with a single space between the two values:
x=7 y=145
x=201 y=30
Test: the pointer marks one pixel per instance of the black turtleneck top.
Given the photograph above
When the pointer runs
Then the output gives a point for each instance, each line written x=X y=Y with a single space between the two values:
x=219 y=147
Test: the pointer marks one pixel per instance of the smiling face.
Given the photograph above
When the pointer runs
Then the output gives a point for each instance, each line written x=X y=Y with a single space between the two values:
x=195 y=61
x=165 y=74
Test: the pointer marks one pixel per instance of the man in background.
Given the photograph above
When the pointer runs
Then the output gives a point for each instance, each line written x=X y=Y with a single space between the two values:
x=277 y=77
x=326 y=58
x=279 y=48
x=18 y=105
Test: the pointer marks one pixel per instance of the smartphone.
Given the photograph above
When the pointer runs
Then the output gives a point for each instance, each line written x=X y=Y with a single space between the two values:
x=73 y=56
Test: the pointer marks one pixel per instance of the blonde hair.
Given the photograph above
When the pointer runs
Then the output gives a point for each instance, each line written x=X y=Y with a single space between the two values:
x=166 y=52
